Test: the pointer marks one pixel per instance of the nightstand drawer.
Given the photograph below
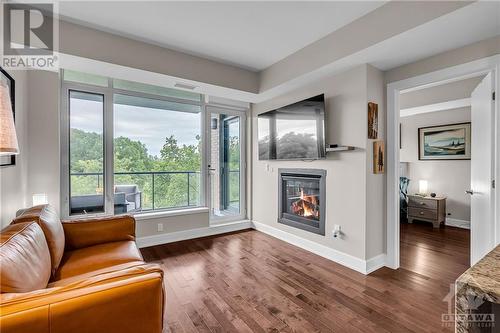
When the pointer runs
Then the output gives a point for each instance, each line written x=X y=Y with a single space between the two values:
x=422 y=213
x=422 y=202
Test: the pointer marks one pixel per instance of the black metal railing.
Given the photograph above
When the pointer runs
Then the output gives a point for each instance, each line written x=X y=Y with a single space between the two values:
x=154 y=183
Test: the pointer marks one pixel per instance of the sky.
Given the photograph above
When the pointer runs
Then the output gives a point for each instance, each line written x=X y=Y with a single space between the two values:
x=150 y=126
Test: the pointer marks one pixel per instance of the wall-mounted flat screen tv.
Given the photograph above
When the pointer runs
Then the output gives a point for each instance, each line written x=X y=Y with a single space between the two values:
x=295 y=131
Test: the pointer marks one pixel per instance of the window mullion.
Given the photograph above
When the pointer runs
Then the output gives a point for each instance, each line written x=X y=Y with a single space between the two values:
x=108 y=153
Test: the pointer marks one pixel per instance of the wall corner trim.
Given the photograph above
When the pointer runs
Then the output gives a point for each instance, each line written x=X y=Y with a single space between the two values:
x=357 y=264
x=375 y=263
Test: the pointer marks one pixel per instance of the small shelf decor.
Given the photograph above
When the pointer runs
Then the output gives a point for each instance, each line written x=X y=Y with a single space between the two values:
x=372 y=120
x=378 y=157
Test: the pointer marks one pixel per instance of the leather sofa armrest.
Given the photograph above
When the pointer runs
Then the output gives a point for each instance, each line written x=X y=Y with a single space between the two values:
x=131 y=300
x=87 y=232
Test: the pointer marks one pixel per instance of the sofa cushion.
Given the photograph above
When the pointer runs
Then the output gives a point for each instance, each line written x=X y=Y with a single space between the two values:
x=24 y=258
x=97 y=257
x=89 y=232
x=46 y=216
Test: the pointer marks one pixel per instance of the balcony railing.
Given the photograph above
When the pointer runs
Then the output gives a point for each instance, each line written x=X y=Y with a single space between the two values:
x=157 y=189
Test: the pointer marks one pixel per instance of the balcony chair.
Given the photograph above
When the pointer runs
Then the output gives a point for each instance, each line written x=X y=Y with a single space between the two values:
x=93 y=203
x=133 y=196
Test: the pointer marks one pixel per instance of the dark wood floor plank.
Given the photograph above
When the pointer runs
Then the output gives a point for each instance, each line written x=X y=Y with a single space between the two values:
x=251 y=282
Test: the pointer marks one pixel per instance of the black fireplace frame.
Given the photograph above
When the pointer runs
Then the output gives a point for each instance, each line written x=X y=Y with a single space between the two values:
x=317 y=227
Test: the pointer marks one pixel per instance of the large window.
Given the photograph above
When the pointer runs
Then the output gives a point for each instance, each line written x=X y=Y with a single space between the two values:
x=157 y=158
x=130 y=147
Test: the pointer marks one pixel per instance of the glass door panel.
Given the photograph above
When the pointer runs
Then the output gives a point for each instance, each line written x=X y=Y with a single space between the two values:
x=225 y=162
x=86 y=157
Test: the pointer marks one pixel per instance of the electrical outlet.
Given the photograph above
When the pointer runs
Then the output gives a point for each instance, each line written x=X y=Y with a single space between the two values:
x=336 y=233
x=160 y=227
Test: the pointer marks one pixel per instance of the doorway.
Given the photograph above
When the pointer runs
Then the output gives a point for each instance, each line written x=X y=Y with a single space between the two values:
x=435 y=177
x=226 y=164
x=481 y=240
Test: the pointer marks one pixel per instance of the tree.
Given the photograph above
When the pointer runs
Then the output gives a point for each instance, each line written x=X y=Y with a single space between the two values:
x=131 y=155
x=86 y=146
x=170 y=189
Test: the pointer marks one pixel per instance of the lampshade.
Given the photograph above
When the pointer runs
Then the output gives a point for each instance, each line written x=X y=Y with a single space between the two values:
x=422 y=186
x=8 y=137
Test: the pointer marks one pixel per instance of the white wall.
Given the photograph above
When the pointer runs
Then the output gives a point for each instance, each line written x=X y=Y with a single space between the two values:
x=13 y=179
x=375 y=183
x=448 y=178
x=43 y=139
x=149 y=227
x=346 y=180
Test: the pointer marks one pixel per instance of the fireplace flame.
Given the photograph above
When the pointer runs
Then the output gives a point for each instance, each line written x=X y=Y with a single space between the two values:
x=306 y=205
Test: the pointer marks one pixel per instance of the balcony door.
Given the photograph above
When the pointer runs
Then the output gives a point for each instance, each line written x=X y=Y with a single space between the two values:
x=226 y=167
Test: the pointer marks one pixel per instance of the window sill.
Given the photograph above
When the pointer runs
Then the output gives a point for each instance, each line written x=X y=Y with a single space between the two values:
x=170 y=213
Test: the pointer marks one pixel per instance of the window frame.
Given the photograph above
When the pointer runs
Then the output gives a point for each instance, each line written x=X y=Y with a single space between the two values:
x=108 y=132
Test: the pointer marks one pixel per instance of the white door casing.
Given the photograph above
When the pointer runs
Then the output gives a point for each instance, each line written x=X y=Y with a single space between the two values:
x=450 y=74
x=482 y=169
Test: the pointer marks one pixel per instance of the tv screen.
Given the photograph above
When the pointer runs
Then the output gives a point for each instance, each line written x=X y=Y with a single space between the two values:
x=295 y=131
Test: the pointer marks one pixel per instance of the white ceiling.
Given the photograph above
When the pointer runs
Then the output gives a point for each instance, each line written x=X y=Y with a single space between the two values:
x=469 y=24
x=251 y=35
x=441 y=93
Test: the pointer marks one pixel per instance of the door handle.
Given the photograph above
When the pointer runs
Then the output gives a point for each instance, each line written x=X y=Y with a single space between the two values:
x=471 y=192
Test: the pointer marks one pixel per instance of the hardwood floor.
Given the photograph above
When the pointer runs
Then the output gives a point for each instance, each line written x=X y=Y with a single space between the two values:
x=251 y=282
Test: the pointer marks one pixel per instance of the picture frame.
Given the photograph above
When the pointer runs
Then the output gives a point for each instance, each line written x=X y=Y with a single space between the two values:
x=372 y=120
x=400 y=136
x=378 y=157
x=9 y=160
x=445 y=142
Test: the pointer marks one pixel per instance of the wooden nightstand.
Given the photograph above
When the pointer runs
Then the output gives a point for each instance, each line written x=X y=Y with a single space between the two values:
x=427 y=209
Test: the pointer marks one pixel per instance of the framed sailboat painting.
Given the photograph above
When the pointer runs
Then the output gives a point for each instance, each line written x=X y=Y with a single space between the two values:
x=447 y=142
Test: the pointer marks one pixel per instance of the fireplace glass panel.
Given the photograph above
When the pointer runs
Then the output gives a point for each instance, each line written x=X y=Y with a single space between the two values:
x=302 y=197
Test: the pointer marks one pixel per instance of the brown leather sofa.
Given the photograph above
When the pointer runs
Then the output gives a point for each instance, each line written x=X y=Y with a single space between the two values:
x=76 y=276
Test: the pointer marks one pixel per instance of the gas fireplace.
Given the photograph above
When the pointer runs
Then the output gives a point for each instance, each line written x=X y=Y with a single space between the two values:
x=302 y=199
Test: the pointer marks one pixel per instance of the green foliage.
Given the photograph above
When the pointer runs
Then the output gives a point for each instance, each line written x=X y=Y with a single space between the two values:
x=131 y=155
x=234 y=168
x=86 y=153
x=176 y=168
x=170 y=189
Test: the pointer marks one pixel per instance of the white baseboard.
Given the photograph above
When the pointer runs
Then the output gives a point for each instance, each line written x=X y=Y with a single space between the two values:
x=191 y=234
x=457 y=223
x=359 y=265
